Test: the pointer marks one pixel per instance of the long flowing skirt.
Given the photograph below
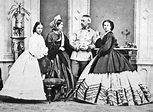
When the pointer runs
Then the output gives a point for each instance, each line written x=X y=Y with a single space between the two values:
x=124 y=88
x=62 y=70
x=24 y=81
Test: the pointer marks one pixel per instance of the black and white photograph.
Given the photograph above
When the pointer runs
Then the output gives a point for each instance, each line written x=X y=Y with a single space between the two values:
x=76 y=56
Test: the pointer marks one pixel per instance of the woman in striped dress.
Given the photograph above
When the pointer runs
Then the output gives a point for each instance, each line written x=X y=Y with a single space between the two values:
x=109 y=78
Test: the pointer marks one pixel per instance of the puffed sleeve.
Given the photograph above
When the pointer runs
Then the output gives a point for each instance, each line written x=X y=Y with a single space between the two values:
x=43 y=48
x=37 y=46
x=105 y=48
x=98 y=43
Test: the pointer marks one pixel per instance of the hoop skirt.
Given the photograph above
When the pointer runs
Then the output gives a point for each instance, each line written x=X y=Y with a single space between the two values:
x=110 y=79
x=25 y=81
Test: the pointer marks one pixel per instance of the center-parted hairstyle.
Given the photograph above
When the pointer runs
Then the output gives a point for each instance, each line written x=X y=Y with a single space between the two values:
x=109 y=21
x=35 y=26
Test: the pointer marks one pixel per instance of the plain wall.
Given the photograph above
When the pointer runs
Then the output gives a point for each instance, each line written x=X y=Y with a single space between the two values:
x=51 y=8
x=121 y=12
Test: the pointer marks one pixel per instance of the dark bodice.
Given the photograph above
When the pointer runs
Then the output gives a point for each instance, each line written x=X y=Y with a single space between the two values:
x=52 y=39
x=109 y=60
x=53 y=42
x=61 y=68
x=106 y=44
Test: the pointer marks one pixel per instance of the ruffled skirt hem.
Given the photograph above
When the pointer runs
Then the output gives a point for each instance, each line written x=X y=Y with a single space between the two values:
x=123 y=88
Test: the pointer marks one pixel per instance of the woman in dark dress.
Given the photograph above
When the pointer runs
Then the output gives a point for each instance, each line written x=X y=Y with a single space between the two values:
x=109 y=78
x=59 y=52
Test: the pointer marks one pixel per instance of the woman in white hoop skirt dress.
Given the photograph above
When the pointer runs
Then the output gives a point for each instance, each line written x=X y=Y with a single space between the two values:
x=25 y=80
x=109 y=78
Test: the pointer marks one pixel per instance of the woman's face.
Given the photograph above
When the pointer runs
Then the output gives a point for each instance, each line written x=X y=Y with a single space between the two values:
x=107 y=27
x=39 y=29
x=60 y=26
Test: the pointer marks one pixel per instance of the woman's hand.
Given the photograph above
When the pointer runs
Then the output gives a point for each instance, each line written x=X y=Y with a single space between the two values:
x=62 y=48
x=46 y=53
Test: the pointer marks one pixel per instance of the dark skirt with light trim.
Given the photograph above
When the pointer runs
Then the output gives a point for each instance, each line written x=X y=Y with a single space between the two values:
x=61 y=70
x=124 y=87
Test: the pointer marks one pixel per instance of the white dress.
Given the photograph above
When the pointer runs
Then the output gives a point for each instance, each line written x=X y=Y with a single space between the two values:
x=25 y=81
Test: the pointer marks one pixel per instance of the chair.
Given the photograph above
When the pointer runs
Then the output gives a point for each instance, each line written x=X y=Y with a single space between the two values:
x=53 y=82
x=46 y=67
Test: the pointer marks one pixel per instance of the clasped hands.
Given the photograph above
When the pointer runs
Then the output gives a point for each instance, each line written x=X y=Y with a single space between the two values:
x=84 y=48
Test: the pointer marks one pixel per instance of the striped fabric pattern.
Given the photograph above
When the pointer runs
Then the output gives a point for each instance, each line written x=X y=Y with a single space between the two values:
x=113 y=89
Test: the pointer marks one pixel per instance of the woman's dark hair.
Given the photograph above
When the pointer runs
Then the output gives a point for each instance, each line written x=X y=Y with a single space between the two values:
x=56 y=25
x=111 y=23
x=58 y=22
x=35 y=26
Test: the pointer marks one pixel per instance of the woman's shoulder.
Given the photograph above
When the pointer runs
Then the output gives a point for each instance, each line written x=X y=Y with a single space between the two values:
x=108 y=36
x=33 y=36
x=52 y=35
x=111 y=34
